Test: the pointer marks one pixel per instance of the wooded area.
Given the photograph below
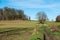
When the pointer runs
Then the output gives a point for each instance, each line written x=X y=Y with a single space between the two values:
x=12 y=14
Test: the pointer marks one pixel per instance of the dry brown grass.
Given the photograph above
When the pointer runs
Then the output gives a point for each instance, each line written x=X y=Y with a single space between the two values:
x=17 y=23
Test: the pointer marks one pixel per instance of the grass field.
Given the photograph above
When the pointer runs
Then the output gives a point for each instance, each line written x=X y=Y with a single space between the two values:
x=25 y=29
x=17 y=23
x=23 y=24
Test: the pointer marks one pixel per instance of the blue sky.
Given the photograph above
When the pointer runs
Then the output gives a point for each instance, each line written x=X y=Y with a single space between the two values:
x=32 y=7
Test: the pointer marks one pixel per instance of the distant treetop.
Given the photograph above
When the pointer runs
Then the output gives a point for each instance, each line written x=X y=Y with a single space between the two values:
x=58 y=18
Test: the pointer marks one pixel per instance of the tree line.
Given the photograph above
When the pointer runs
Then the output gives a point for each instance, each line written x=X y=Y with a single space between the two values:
x=7 y=13
x=12 y=14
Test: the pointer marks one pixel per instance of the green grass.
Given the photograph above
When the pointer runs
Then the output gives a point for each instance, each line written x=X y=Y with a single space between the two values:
x=36 y=36
x=29 y=27
x=56 y=33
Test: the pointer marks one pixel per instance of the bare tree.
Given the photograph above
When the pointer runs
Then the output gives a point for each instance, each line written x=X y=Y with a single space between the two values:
x=42 y=17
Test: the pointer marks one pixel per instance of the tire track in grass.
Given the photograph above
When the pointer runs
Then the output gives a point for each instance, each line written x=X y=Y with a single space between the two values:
x=48 y=35
x=5 y=35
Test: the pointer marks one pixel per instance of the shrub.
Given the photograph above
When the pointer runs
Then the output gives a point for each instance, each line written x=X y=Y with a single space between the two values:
x=58 y=18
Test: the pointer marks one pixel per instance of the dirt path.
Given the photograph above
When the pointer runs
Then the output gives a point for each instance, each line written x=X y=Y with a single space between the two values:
x=15 y=35
x=48 y=35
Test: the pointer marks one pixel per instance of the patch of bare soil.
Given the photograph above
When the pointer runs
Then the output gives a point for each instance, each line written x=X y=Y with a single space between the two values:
x=35 y=31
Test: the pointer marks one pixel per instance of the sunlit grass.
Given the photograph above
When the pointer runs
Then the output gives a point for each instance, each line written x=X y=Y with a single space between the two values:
x=23 y=24
x=17 y=23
